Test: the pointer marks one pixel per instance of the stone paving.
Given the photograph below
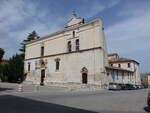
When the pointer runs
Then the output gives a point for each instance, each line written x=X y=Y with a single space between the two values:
x=62 y=100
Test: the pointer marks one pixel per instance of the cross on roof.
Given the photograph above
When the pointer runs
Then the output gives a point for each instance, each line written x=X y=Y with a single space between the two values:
x=74 y=13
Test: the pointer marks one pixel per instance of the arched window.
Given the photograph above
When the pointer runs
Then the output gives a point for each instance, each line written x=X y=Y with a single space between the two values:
x=73 y=33
x=129 y=65
x=117 y=75
x=42 y=63
x=77 y=45
x=29 y=65
x=122 y=75
x=42 y=51
x=57 y=63
x=69 y=46
x=107 y=74
x=119 y=65
x=128 y=75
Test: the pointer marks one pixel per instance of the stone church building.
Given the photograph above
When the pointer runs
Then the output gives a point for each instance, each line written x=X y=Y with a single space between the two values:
x=75 y=55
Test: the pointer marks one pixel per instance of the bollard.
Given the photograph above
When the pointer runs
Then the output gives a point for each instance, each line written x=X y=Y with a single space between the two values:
x=36 y=88
x=20 y=88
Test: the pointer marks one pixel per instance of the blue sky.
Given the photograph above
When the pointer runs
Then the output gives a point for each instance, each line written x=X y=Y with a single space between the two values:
x=126 y=23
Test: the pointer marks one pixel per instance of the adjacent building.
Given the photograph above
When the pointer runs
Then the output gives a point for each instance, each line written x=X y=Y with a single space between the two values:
x=123 y=70
x=4 y=61
x=77 y=55
x=145 y=79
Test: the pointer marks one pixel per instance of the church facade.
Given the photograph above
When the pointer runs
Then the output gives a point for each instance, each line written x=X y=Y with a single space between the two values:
x=77 y=54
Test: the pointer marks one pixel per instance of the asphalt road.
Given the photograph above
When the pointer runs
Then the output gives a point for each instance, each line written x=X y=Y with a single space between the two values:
x=63 y=101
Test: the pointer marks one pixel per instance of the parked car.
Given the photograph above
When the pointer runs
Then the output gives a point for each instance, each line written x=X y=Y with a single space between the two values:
x=145 y=86
x=148 y=99
x=138 y=86
x=114 y=86
x=135 y=86
x=129 y=86
x=123 y=86
x=142 y=87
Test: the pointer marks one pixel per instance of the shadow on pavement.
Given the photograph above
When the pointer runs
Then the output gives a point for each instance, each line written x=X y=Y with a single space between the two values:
x=147 y=109
x=5 y=89
x=14 y=104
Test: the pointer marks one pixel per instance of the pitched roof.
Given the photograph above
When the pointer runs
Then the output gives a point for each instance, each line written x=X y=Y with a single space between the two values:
x=145 y=74
x=4 y=60
x=121 y=60
x=112 y=54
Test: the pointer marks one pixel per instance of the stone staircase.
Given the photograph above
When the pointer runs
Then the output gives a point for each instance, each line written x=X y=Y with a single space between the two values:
x=65 y=86
x=76 y=86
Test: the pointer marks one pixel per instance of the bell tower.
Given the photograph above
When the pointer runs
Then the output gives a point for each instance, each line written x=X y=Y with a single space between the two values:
x=75 y=20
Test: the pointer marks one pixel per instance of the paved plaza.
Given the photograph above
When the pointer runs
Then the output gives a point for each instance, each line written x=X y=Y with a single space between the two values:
x=63 y=100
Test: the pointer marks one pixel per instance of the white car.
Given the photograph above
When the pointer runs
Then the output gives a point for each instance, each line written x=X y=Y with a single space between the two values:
x=114 y=86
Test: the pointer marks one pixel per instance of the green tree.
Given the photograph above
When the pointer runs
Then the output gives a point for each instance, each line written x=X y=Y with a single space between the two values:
x=2 y=52
x=2 y=66
x=15 y=69
x=32 y=36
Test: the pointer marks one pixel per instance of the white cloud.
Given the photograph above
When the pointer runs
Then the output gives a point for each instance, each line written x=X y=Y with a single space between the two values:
x=131 y=28
x=130 y=37
x=91 y=9
x=96 y=7
x=9 y=14
x=16 y=13
x=40 y=28
x=113 y=3
x=132 y=9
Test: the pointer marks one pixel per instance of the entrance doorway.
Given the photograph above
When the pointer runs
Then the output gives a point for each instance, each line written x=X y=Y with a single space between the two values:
x=42 y=77
x=84 y=78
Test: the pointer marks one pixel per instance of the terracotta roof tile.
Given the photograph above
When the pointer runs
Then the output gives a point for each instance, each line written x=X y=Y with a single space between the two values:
x=112 y=54
x=121 y=60
x=4 y=60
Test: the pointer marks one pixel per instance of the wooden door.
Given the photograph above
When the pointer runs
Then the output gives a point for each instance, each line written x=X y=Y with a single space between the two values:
x=84 y=78
x=42 y=77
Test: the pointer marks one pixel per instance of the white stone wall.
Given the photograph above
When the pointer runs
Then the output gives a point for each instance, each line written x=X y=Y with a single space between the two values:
x=148 y=80
x=70 y=68
x=89 y=35
x=124 y=65
x=120 y=77
x=94 y=58
x=114 y=56
x=133 y=67
x=137 y=74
